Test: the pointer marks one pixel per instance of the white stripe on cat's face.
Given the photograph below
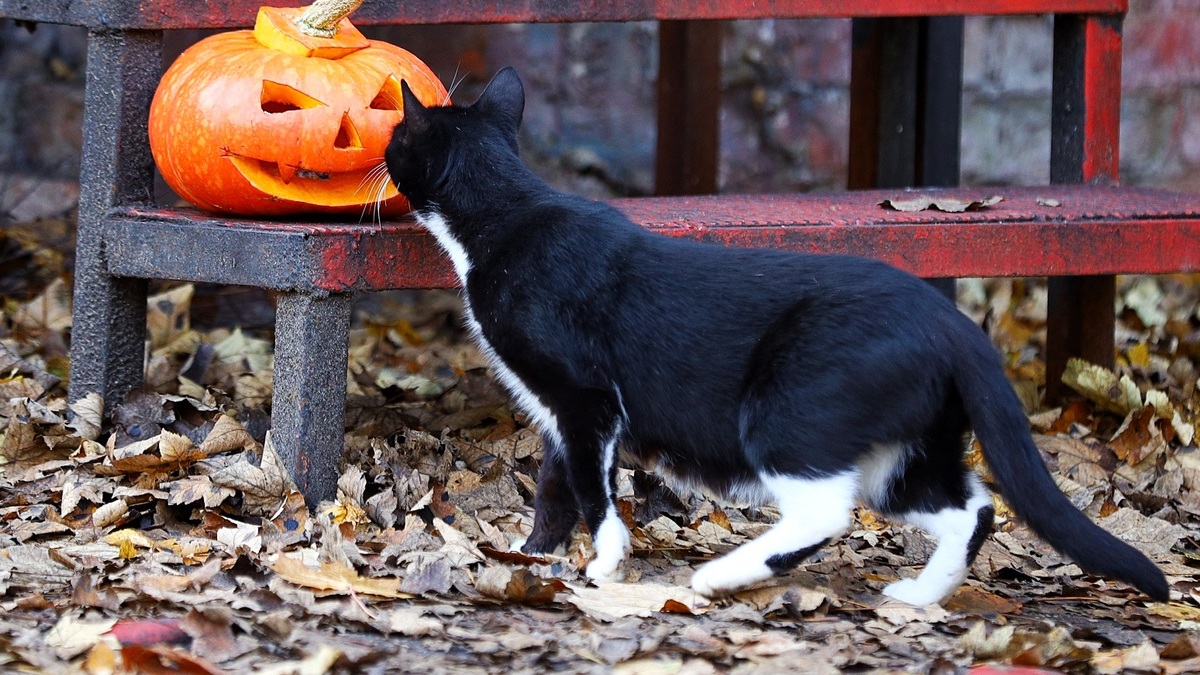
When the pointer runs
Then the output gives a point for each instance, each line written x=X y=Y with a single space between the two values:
x=436 y=224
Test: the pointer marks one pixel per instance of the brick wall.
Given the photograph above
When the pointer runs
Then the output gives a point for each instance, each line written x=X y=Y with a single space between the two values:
x=590 y=116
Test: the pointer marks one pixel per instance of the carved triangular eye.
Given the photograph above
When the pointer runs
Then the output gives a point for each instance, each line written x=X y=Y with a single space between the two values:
x=389 y=96
x=347 y=138
x=279 y=98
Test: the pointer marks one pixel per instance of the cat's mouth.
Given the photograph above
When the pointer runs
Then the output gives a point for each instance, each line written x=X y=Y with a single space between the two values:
x=342 y=188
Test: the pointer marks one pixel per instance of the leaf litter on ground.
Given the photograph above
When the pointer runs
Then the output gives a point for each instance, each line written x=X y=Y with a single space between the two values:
x=167 y=535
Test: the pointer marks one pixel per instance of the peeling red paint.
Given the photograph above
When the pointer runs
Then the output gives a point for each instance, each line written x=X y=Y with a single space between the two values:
x=1101 y=100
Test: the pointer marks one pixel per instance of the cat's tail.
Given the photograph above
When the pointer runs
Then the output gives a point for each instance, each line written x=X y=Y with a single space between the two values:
x=1026 y=485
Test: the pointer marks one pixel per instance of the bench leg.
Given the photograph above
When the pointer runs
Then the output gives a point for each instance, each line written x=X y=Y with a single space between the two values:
x=1084 y=148
x=905 y=102
x=1081 y=319
x=308 y=407
x=109 y=325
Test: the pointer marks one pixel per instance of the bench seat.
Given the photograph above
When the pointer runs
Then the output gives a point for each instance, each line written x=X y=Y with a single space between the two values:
x=1092 y=230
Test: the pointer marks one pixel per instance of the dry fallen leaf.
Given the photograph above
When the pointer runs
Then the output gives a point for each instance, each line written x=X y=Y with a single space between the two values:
x=263 y=488
x=74 y=635
x=49 y=311
x=336 y=578
x=611 y=601
x=1102 y=386
x=900 y=613
x=947 y=204
x=516 y=585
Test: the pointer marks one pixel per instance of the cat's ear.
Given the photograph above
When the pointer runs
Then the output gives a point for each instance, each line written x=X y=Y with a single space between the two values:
x=504 y=99
x=416 y=117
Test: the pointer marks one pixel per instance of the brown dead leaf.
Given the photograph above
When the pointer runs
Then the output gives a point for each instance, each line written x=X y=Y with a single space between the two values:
x=264 y=488
x=101 y=660
x=458 y=550
x=211 y=633
x=900 y=613
x=227 y=435
x=1152 y=536
x=167 y=315
x=1102 y=386
x=1138 y=437
x=335 y=578
x=78 y=486
x=86 y=416
x=976 y=601
x=516 y=585
x=74 y=635
x=49 y=311
x=947 y=204
x=609 y=602
x=411 y=621
x=23 y=449
x=241 y=538
x=110 y=514
x=1140 y=658
x=191 y=489
x=165 y=660
x=317 y=663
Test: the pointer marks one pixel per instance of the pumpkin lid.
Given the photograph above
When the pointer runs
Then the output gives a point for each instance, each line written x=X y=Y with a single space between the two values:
x=280 y=28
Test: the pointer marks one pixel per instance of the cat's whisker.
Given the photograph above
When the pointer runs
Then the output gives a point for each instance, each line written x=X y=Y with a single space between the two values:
x=369 y=177
x=454 y=82
x=377 y=173
x=380 y=197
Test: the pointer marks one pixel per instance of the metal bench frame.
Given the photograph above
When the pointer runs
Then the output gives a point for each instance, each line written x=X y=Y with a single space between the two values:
x=123 y=239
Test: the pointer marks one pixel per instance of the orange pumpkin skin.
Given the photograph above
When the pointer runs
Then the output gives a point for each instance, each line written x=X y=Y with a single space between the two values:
x=240 y=128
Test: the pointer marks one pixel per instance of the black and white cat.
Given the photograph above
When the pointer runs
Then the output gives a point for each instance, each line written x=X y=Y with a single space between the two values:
x=813 y=382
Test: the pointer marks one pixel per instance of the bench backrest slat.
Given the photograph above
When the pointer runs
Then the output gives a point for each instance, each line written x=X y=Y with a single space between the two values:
x=177 y=14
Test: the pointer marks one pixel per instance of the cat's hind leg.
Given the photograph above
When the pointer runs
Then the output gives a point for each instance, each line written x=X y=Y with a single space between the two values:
x=929 y=487
x=812 y=511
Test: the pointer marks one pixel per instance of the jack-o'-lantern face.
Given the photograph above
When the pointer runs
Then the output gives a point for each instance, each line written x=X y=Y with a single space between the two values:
x=239 y=126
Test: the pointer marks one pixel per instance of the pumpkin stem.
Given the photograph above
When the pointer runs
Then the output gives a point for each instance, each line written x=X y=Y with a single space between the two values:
x=321 y=18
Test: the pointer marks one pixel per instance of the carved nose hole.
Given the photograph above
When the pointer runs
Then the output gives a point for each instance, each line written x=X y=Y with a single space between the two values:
x=389 y=96
x=280 y=98
x=347 y=137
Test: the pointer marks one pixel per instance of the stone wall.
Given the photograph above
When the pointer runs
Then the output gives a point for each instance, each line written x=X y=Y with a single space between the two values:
x=590 y=115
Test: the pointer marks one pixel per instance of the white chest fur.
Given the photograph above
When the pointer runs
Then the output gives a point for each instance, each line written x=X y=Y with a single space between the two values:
x=526 y=400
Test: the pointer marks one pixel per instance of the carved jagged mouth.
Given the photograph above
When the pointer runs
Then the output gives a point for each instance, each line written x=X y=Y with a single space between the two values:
x=347 y=188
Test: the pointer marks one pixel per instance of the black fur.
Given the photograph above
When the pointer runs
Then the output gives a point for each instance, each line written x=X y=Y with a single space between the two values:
x=719 y=364
x=987 y=515
x=785 y=561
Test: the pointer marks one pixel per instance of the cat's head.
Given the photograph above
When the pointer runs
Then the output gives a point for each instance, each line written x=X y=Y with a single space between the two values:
x=433 y=144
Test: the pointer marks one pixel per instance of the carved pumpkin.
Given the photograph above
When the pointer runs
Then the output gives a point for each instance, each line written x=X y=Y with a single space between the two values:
x=273 y=121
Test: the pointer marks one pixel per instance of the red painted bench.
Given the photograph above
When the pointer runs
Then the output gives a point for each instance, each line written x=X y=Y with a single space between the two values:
x=1097 y=231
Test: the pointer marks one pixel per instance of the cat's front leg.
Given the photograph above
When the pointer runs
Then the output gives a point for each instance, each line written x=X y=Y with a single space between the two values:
x=555 y=511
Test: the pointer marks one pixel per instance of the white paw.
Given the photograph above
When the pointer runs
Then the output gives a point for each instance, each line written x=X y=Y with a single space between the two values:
x=725 y=575
x=913 y=592
x=605 y=570
x=612 y=547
